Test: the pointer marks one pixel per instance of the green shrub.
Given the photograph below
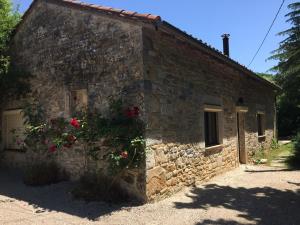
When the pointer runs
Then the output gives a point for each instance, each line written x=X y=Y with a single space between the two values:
x=274 y=144
x=259 y=155
x=98 y=187
x=43 y=173
x=297 y=147
x=294 y=160
x=288 y=118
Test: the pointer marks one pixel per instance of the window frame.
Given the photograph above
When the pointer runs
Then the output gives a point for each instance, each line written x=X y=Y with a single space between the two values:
x=260 y=123
x=218 y=110
x=211 y=128
x=72 y=103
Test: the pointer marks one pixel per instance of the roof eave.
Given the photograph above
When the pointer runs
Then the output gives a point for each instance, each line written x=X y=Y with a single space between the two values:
x=122 y=14
x=218 y=54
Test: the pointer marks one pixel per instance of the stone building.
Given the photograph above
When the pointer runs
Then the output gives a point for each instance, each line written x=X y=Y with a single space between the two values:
x=204 y=113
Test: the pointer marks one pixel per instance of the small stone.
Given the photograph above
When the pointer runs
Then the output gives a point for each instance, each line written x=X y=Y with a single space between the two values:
x=263 y=161
x=169 y=175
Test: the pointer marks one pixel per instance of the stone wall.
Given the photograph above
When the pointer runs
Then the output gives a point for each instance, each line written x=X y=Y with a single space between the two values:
x=183 y=78
x=66 y=49
x=169 y=79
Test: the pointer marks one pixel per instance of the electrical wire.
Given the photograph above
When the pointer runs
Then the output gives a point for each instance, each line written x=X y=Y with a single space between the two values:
x=267 y=33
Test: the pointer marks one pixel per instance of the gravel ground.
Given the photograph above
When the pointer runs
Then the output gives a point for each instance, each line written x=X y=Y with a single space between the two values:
x=246 y=195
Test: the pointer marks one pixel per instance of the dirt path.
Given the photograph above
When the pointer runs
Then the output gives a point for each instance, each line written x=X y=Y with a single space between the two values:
x=247 y=195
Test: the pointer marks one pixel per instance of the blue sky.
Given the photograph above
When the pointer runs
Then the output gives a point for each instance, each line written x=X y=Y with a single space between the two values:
x=247 y=22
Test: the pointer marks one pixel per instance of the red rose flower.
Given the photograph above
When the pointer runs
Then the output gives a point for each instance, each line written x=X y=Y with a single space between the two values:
x=132 y=112
x=74 y=122
x=53 y=148
x=129 y=113
x=124 y=154
x=136 y=111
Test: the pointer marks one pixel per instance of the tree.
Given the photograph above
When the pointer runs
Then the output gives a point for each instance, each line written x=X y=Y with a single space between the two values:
x=266 y=76
x=9 y=18
x=13 y=80
x=288 y=74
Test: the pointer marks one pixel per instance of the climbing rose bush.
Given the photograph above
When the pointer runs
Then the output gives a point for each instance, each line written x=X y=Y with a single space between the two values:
x=122 y=131
x=54 y=135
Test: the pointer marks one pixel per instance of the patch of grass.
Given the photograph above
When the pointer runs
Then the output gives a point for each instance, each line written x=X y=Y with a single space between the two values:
x=259 y=155
x=281 y=150
x=293 y=161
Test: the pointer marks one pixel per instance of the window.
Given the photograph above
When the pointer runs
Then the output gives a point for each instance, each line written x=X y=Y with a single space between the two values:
x=213 y=126
x=260 y=124
x=79 y=100
x=13 y=129
x=211 y=129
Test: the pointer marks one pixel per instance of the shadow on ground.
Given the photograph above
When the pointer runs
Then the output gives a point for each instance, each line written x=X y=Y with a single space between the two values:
x=267 y=170
x=220 y=222
x=55 y=197
x=293 y=162
x=263 y=206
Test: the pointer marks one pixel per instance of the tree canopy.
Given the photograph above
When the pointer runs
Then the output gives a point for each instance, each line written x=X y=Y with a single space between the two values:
x=8 y=20
x=13 y=80
x=266 y=76
x=288 y=73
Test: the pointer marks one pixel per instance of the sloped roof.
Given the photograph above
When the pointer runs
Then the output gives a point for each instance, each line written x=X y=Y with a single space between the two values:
x=156 y=20
x=109 y=10
x=221 y=56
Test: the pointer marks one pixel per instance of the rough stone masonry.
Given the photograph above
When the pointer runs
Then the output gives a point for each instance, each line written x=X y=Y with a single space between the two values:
x=172 y=77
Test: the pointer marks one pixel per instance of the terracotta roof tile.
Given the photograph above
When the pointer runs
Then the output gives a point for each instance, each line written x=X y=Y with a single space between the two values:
x=120 y=12
x=129 y=13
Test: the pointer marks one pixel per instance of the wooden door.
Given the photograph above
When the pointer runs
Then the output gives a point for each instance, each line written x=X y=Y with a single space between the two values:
x=241 y=138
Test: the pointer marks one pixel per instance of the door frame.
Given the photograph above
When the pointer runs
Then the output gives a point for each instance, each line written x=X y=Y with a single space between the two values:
x=241 y=111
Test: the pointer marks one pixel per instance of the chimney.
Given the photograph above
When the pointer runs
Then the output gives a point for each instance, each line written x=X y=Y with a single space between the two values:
x=226 y=44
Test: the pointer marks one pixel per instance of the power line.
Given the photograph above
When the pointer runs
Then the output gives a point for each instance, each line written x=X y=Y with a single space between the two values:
x=267 y=33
